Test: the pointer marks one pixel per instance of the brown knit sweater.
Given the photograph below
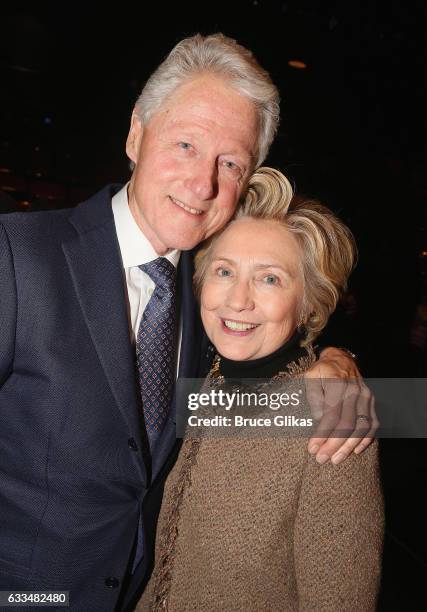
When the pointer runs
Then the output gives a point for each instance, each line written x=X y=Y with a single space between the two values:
x=258 y=525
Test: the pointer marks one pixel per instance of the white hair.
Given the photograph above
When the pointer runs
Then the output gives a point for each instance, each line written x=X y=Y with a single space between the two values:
x=224 y=57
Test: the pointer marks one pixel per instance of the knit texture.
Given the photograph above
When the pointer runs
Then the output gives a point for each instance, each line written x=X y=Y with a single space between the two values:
x=258 y=524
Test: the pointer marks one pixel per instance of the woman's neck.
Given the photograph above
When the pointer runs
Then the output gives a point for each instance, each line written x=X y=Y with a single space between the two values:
x=264 y=367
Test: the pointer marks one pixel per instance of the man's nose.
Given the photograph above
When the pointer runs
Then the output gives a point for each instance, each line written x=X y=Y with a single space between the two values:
x=203 y=182
x=239 y=296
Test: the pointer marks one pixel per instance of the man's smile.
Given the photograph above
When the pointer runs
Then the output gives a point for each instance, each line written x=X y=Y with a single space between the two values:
x=193 y=211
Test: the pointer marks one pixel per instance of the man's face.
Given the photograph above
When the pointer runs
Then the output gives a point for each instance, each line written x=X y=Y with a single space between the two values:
x=192 y=162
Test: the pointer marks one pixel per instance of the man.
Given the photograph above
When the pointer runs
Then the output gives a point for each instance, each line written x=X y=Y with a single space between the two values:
x=80 y=308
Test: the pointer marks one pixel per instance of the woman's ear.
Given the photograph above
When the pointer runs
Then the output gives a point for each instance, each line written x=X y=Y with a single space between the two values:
x=134 y=138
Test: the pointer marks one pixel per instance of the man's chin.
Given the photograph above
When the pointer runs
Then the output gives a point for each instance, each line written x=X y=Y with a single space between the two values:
x=184 y=243
x=164 y=244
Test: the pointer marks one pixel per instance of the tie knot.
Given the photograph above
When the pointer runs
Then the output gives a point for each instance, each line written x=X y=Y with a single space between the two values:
x=161 y=271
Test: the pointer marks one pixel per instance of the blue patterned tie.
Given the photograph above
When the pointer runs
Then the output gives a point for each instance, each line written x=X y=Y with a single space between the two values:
x=155 y=347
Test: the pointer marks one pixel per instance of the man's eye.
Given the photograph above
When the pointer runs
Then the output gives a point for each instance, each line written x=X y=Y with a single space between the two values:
x=184 y=145
x=271 y=279
x=230 y=165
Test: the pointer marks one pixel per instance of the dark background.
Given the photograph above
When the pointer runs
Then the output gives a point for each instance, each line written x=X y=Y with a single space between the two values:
x=352 y=134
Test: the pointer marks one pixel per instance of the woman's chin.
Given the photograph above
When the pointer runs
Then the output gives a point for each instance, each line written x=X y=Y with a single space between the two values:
x=235 y=353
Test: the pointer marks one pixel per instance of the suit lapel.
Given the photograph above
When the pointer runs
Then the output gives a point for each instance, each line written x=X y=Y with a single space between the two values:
x=191 y=325
x=95 y=266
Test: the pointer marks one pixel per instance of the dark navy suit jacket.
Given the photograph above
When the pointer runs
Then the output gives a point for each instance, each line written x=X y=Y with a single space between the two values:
x=74 y=471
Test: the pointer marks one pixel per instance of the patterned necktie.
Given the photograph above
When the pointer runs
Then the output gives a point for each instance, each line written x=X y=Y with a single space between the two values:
x=155 y=347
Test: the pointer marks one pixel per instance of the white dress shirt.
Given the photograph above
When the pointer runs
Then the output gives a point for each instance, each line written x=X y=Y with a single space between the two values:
x=136 y=250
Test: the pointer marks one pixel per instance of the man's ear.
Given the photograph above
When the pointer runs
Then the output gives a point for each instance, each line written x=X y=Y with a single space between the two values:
x=134 y=138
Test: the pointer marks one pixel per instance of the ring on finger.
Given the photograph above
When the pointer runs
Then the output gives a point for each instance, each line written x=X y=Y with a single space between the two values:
x=363 y=417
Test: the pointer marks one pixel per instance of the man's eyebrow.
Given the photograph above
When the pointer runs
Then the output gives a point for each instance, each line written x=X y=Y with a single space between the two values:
x=192 y=129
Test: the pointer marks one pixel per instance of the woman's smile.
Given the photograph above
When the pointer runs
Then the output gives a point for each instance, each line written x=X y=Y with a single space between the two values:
x=252 y=294
x=238 y=328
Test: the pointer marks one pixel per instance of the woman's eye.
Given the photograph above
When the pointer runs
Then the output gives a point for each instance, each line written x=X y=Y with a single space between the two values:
x=271 y=279
x=223 y=272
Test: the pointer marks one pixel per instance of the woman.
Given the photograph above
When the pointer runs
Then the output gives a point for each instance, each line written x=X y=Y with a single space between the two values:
x=256 y=523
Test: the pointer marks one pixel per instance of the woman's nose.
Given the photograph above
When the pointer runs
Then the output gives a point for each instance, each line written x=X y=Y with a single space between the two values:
x=239 y=296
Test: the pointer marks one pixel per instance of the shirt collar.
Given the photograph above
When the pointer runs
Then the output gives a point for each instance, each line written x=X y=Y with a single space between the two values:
x=135 y=248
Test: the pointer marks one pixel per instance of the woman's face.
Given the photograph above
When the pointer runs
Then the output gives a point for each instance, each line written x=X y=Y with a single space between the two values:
x=253 y=289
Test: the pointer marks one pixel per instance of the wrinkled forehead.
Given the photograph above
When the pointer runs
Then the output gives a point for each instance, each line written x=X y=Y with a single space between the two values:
x=258 y=240
x=211 y=106
x=209 y=88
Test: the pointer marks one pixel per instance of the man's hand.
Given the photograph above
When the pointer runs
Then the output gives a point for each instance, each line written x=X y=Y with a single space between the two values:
x=343 y=405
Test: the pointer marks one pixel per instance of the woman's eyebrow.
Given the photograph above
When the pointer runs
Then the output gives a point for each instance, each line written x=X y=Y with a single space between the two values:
x=219 y=258
x=276 y=266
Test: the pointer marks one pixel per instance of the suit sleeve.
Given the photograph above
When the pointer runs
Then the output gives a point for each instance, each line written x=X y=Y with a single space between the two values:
x=338 y=535
x=7 y=307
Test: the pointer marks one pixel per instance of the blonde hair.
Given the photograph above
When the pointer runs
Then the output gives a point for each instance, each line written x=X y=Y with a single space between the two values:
x=328 y=248
x=224 y=57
